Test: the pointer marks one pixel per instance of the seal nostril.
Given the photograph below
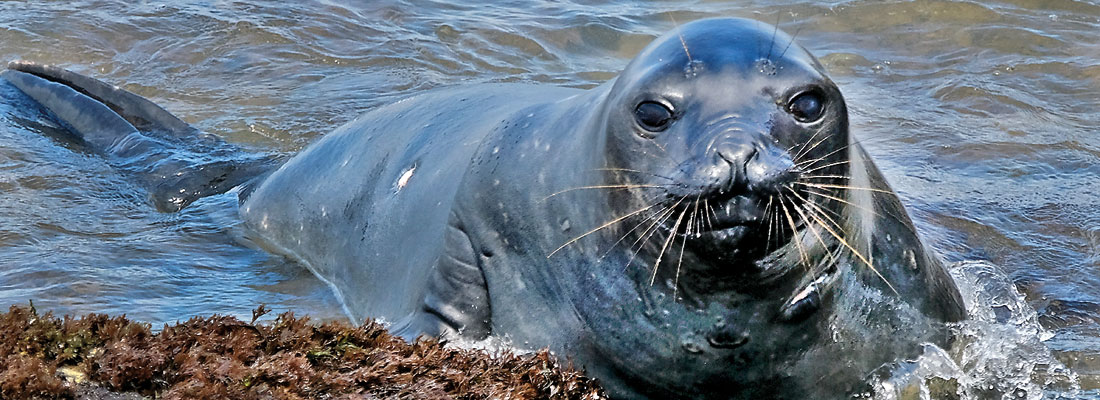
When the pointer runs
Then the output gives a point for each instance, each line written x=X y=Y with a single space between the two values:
x=737 y=157
x=744 y=172
x=770 y=171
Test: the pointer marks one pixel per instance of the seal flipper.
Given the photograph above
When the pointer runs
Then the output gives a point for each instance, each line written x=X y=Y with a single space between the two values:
x=139 y=112
x=173 y=160
x=457 y=299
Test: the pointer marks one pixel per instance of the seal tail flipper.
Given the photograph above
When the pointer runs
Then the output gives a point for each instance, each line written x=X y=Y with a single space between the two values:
x=173 y=160
x=139 y=112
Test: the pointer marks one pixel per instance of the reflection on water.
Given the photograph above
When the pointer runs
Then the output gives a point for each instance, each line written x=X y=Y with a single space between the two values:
x=983 y=115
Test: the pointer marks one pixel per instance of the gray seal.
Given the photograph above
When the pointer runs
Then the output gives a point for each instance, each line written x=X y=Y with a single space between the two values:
x=701 y=226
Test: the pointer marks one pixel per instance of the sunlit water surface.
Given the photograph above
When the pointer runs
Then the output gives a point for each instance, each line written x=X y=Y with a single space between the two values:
x=984 y=116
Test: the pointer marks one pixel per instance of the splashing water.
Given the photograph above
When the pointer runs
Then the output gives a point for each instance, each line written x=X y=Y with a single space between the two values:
x=997 y=353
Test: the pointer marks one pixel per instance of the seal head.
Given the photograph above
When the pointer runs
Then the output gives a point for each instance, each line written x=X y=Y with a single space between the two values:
x=738 y=134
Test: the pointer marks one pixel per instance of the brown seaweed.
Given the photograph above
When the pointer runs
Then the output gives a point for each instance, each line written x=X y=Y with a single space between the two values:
x=102 y=357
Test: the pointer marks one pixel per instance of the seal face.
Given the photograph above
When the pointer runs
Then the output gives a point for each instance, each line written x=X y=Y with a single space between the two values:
x=702 y=226
x=731 y=136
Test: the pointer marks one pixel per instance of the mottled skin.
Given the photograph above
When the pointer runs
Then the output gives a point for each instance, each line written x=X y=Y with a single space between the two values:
x=559 y=217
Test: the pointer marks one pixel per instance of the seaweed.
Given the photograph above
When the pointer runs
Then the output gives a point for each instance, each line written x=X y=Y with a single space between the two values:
x=102 y=357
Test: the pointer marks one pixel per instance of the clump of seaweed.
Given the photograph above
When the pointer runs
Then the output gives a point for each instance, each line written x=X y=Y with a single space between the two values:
x=103 y=357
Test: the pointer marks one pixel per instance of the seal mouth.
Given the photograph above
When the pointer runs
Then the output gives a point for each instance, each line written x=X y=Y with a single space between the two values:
x=726 y=224
x=738 y=211
x=722 y=216
x=726 y=229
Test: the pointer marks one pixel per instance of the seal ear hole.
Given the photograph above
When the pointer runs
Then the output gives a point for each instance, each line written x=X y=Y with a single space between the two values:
x=807 y=106
x=653 y=116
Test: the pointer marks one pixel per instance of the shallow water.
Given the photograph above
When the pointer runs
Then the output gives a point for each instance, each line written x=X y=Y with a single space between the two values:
x=984 y=116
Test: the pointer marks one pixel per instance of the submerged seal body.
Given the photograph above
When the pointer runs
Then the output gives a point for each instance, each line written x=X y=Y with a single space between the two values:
x=702 y=226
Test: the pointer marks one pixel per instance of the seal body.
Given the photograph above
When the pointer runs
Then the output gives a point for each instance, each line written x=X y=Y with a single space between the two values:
x=702 y=226
x=389 y=185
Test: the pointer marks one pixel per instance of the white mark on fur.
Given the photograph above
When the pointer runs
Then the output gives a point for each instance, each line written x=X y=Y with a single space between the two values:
x=405 y=176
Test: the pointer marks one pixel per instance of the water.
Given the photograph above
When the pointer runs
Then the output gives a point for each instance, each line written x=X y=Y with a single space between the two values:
x=984 y=116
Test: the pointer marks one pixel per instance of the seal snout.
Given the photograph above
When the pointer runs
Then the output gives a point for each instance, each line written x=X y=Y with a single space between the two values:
x=757 y=168
x=740 y=161
x=743 y=172
x=742 y=190
x=771 y=172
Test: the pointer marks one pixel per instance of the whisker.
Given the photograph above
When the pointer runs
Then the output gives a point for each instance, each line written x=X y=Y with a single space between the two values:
x=710 y=221
x=662 y=149
x=825 y=166
x=682 y=42
x=796 y=32
x=812 y=230
x=634 y=171
x=766 y=208
x=680 y=262
x=845 y=242
x=653 y=217
x=777 y=225
x=671 y=236
x=811 y=191
x=842 y=148
x=649 y=232
x=816 y=160
x=771 y=224
x=794 y=229
x=830 y=211
x=652 y=229
x=605 y=225
x=656 y=156
x=623 y=186
x=806 y=149
x=692 y=221
x=826 y=177
x=775 y=31
x=845 y=187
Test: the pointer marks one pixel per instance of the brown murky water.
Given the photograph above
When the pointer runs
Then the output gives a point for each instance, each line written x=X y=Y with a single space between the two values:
x=985 y=117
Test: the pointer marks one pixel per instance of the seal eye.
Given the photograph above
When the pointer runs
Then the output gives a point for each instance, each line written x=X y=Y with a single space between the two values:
x=806 y=107
x=653 y=116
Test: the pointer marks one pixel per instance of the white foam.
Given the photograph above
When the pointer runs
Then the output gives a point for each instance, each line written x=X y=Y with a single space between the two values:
x=998 y=352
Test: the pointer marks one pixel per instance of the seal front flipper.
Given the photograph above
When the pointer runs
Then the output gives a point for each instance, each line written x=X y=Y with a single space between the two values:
x=176 y=163
x=457 y=300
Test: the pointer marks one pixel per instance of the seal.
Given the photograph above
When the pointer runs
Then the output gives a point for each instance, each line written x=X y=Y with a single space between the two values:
x=701 y=226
